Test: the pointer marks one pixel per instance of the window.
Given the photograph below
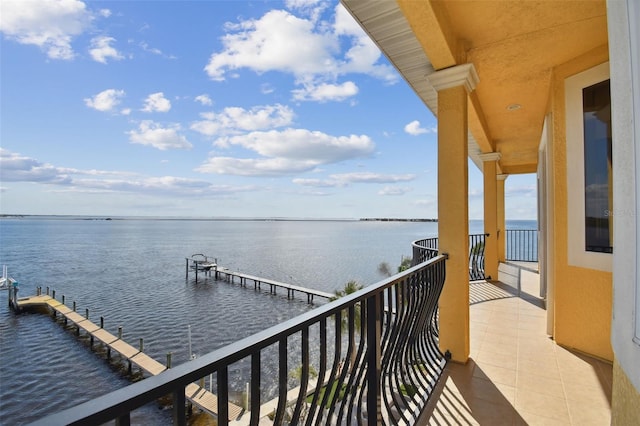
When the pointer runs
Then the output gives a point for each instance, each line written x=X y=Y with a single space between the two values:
x=589 y=172
x=598 y=196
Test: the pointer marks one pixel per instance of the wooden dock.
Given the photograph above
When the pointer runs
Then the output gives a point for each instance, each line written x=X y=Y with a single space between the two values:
x=224 y=273
x=202 y=263
x=197 y=395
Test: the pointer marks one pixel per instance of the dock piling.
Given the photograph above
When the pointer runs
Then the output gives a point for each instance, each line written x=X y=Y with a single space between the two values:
x=169 y=354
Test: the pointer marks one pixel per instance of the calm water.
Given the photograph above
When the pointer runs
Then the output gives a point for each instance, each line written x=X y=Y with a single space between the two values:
x=132 y=272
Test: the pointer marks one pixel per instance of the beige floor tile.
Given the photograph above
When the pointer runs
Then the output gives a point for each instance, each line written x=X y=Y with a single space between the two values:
x=488 y=413
x=517 y=375
x=534 y=419
x=545 y=367
x=504 y=329
x=499 y=375
x=587 y=395
x=500 y=342
x=527 y=382
x=496 y=358
x=488 y=391
x=502 y=345
x=588 y=415
x=541 y=355
x=539 y=403
x=583 y=377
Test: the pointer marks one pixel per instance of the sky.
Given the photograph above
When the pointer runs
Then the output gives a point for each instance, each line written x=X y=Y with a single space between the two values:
x=213 y=109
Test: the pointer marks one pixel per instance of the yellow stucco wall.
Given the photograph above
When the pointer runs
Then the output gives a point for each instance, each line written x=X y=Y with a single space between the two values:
x=625 y=399
x=453 y=219
x=583 y=297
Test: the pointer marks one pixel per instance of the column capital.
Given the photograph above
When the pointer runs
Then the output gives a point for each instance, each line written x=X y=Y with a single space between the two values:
x=502 y=177
x=490 y=156
x=459 y=75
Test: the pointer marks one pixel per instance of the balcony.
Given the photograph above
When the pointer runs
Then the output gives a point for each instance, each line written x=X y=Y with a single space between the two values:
x=372 y=357
x=516 y=374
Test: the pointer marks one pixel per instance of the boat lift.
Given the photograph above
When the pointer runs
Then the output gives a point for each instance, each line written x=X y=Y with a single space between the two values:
x=200 y=263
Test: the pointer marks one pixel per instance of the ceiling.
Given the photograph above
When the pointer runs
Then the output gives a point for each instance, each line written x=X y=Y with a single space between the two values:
x=514 y=46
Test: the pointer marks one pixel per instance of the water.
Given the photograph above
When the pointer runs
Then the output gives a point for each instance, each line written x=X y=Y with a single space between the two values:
x=132 y=272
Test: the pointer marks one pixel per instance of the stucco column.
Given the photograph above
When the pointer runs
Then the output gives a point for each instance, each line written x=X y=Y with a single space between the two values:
x=452 y=85
x=489 y=172
x=502 y=224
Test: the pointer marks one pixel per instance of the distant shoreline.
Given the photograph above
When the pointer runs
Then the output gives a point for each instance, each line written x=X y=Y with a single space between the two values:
x=389 y=219
x=229 y=219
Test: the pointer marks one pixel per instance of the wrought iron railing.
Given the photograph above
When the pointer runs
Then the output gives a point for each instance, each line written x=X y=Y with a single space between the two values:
x=370 y=357
x=522 y=245
x=428 y=248
x=476 y=257
x=424 y=250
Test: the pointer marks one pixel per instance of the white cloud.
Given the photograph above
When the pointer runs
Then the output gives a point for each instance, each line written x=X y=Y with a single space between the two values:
x=311 y=8
x=105 y=13
x=154 y=50
x=156 y=102
x=277 y=41
x=101 y=49
x=106 y=100
x=18 y=168
x=287 y=151
x=368 y=177
x=162 y=138
x=266 y=88
x=145 y=46
x=363 y=55
x=325 y=92
x=236 y=119
x=319 y=183
x=204 y=100
x=524 y=190
x=309 y=49
x=393 y=190
x=425 y=203
x=414 y=128
x=303 y=145
x=344 y=179
x=255 y=166
x=49 y=24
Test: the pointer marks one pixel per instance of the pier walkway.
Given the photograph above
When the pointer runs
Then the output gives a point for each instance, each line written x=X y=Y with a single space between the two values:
x=224 y=273
x=201 y=263
x=198 y=395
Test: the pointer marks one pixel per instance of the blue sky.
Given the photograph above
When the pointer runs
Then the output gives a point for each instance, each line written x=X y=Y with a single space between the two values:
x=213 y=109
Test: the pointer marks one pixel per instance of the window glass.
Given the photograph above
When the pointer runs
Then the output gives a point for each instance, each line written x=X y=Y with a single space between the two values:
x=598 y=195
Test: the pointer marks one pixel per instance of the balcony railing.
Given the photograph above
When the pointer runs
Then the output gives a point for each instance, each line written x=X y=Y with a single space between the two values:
x=522 y=245
x=428 y=248
x=370 y=357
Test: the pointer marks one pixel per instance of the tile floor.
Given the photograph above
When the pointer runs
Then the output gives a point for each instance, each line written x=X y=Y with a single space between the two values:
x=516 y=374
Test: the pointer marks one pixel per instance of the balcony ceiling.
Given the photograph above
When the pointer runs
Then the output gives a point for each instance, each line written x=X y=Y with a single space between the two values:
x=514 y=46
